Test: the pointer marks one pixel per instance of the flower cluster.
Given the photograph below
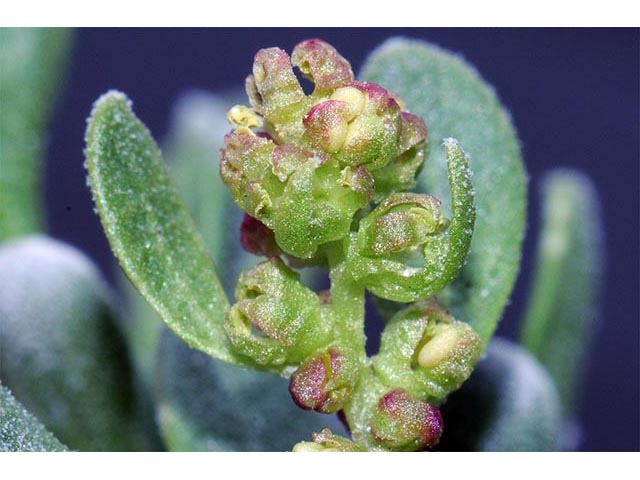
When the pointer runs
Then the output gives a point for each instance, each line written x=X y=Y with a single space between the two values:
x=323 y=179
x=317 y=158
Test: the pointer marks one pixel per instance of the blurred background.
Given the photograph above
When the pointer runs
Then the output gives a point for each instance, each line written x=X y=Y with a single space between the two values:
x=573 y=95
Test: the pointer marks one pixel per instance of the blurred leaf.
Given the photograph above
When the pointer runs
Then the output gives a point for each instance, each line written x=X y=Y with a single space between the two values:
x=563 y=304
x=206 y=405
x=150 y=230
x=32 y=62
x=22 y=432
x=455 y=102
x=60 y=350
x=510 y=403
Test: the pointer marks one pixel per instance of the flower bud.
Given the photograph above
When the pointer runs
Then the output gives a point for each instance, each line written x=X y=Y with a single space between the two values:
x=324 y=382
x=304 y=200
x=404 y=423
x=276 y=319
x=361 y=124
x=257 y=239
x=282 y=100
x=325 y=441
x=395 y=243
x=425 y=350
x=322 y=64
x=317 y=206
x=403 y=221
x=246 y=168
x=400 y=174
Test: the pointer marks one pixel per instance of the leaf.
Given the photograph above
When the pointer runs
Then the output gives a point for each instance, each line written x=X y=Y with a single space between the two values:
x=510 y=403
x=206 y=405
x=563 y=305
x=455 y=102
x=33 y=61
x=61 y=352
x=22 y=432
x=150 y=230
x=192 y=151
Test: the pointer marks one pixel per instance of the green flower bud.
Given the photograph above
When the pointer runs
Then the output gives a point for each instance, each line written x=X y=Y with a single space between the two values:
x=400 y=174
x=406 y=424
x=426 y=351
x=322 y=64
x=395 y=244
x=276 y=320
x=304 y=200
x=362 y=124
x=325 y=441
x=404 y=221
x=324 y=382
x=276 y=94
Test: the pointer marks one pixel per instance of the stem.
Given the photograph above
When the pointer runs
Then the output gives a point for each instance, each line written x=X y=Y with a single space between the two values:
x=347 y=302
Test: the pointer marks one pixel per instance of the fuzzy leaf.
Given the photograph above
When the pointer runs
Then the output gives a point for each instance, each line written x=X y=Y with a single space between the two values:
x=192 y=152
x=510 y=403
x=22 y=432
x=150 y=230
x=206 y=405
x=563 y=305
x=31 y=64
x=61 y=352
x=455 y=102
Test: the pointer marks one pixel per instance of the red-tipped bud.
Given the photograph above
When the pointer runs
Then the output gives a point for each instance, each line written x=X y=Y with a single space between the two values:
x=414 y=131
x=327 y=124
x=256 y=238
x=323 y=382
x=403 y=423
x=322 y=64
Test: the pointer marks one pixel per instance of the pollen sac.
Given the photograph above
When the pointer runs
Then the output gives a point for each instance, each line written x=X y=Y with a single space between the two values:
x=426 y=351
x=404 y=423
x=394 y=244
x=324 y=382
x=276 y=319
x=325 y=441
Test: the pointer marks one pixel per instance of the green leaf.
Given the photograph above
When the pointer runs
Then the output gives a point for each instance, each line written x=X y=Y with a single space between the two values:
x=560 y=313
x=192 y=152
x=510 y=403
x=32 y=61
x=150 y=230
x=455 y=102
x=206 y=405
x=61 y=352
x=22 y=432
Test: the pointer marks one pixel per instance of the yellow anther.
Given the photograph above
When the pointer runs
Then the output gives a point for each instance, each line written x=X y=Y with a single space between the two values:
x=242 y=116
x=440 y=347
x=354 y=97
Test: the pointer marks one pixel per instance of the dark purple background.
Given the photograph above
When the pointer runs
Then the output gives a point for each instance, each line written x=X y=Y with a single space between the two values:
x=573 y=94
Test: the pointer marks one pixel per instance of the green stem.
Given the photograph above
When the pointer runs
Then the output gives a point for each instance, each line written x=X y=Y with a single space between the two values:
x=347 y=302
